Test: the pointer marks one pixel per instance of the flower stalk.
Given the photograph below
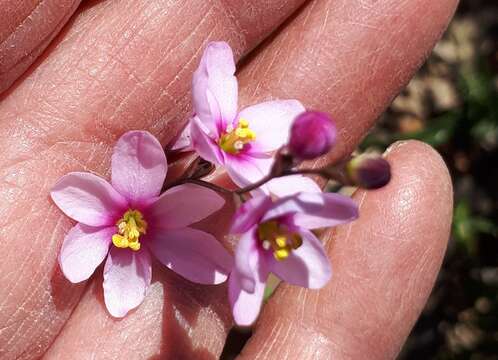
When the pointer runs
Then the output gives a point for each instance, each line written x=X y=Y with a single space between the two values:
x=340 y=173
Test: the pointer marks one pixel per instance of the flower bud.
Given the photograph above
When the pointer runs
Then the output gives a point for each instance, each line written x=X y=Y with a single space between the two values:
x=369 y=171
x=312 y=134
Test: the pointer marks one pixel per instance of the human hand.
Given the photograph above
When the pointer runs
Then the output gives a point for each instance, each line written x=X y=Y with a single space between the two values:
x=121 y=65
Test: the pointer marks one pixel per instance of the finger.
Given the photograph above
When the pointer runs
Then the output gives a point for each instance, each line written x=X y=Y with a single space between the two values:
x=347 y=57
x=385 y=264
x=26 y=29
x=120 y=65
x=164 y=326
x=273 y=74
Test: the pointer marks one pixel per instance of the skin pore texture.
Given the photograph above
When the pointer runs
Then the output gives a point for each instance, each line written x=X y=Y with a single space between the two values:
x=120 y=65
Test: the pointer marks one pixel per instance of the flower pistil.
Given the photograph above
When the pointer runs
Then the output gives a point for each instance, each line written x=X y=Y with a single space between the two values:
x=277 y=237
x=234 y=140
x=130 y=227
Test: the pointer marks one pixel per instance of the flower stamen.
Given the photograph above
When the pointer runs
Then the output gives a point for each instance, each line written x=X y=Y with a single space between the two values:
x=130 y=227
x=276 y=237
x=234 y=140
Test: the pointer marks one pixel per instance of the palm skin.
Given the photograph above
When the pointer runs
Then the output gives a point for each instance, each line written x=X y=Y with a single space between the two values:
x=121 y=65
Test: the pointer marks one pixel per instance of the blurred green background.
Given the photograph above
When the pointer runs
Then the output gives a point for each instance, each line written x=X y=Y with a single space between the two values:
x=452 y=104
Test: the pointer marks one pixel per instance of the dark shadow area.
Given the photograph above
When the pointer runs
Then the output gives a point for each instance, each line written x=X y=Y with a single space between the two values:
x=236 y=340
x=183 y=303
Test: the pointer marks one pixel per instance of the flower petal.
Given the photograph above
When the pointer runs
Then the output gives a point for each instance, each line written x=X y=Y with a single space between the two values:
x=324 y=210
x=83 y=249
x=88 y=199
x=291 y=185
x=308 y=266
x=249 y=213
x=193 y=254
x=246 y=305
x=214 y=87
x=205 y=146
x=138 y=166
x=315 y=210
x=127 y=276
x=184 y=141
x=271 y=121
x=245 y=170
x=183 y=205
x=247 y=259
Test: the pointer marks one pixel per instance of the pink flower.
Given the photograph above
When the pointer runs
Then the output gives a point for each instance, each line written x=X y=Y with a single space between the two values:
x=128 y=220
x=241 y=141
x=276 y=238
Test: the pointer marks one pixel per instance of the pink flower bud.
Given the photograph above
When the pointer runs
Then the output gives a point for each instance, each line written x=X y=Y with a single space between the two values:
x=369 y=171
x=312 y=134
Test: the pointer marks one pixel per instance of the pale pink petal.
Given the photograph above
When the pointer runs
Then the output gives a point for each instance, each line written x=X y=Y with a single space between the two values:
x=193 y=254
x=214 y=87
x=88 y=199
x=127 y=276
x=247 y=259
x=249 y=213
x=184 y=141
x=315 y=210
x=291 y=185
x=183 y=205
x=271 y=121
x=324 y=210
x=246 y=305
x=308 y=266
x=138 y=166
x=205 y=146
x=83 y=249
x=245 y=170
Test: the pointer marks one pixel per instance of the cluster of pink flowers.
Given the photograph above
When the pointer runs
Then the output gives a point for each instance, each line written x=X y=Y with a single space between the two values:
x=275 y=234
x=131 y=219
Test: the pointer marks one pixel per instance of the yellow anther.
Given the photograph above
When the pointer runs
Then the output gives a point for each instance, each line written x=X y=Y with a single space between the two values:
x=133 y=233
x=245 y=133
x=281 y=254
x=281 y=241
x=277 y=238
x=234 y=140
x=243 y=123
x=119 y=241
x=135 y=245
x=130 y=227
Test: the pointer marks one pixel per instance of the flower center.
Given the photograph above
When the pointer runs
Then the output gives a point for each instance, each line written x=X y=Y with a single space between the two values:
x=130 y=227
x=233 y=140
x=277 y=237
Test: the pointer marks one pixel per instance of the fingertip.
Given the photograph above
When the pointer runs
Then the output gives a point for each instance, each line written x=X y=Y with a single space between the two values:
x=391 y=256
x=431 y=176
x=385 y=266
x=411 y=216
